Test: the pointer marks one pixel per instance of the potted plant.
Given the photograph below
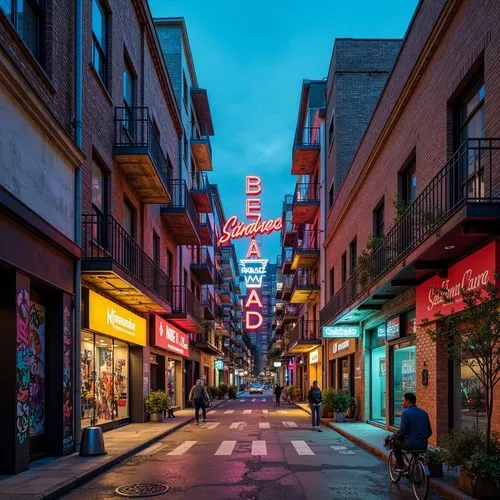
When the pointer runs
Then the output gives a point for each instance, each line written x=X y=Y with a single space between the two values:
x=156 y=404
x=231 y=392
x=342 y=400
x=479 y=464
x=434 y=461
x=223 y=389
x=328 y=395
x=213 y=392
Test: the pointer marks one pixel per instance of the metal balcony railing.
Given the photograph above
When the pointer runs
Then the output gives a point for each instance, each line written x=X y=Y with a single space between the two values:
x=307 y=241
x=207 y=299
x=287 y=255
x=202 y=256
x=469 y=176
x=307 y=136
x=210 y=336
x=306 y=192
x=305 y=278
x=304 y=330
x=199 y=180
x=104 y=239
x=205 y=222
x=200 y=132
x=134 y=129
x=181 y=199
x=184 y=302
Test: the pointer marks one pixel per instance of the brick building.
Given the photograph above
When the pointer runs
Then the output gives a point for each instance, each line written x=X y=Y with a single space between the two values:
x=417 y=210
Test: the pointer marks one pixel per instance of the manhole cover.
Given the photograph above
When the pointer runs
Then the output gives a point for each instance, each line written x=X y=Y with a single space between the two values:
x=142 y=490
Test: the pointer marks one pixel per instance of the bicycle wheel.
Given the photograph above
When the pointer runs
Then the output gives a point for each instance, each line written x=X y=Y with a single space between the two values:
x=391 y=464
x=419 y=480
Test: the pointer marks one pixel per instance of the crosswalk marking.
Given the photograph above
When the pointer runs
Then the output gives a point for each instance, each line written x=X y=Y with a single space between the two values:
x=247 y=412
x=181 y=449
x=265 y=412
x=211 y=425
x=253 y=400
x=242 y=400
x=263 y=399
x=226 y=448
x=302 y=448
x=289 y=424
x=338 y=448
x=212 y=411
x=228 y=411
x=283 y=412
x=238 y=425
x=259 y=448
x=264 y=425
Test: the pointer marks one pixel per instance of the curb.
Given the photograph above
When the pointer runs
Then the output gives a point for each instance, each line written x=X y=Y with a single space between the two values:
x=444 y=490
x=86 y=476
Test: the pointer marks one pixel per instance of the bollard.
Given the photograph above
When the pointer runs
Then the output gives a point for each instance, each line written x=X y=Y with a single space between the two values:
x=92 y=442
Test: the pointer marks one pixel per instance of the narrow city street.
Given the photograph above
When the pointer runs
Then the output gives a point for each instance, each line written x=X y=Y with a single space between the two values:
x=251 y=449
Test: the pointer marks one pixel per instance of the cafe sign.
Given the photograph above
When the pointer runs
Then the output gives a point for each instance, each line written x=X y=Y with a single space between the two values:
x=105 y=316
x=169 y=337
x=313 y=357
x=340 y=346
x=341 y=332
x=442 y=295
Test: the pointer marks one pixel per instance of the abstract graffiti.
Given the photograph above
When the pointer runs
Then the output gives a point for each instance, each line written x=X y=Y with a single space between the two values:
x=67 y=387
x=22 y=364
x=37 y=369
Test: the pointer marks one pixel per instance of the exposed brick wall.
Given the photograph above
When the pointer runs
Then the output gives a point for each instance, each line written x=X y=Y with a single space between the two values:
x=423 y=126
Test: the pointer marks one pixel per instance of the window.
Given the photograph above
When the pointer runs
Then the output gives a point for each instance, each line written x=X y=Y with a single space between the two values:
x=332 y=282
x=331 y=133
x=330 y=196
x=170 y=264
x=404 y=378
x=378 y=221
x=129 y=218
x=98 y=202
x=409 y=183
x=352 y=255
x=343 y=268
x=186 y=149
x=185 y=91
x=128 y=97
x=100 y=39
x=156 y=248
x=26 y=16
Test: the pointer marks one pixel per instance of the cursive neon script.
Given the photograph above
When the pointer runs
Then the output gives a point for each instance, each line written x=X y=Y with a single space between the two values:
x=447 y=292
x=233 y=229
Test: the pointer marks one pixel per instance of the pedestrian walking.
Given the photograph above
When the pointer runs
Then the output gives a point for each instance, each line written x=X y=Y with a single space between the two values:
x=277 y=393
x=171 y=402
x=199 y=396
x=315 y=400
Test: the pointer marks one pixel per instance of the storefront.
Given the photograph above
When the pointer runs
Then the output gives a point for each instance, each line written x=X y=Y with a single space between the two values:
x=341 y=364
x=459 y=391
x=314 y=366
x=206 y=368
x=169 y=346
x=109 y=331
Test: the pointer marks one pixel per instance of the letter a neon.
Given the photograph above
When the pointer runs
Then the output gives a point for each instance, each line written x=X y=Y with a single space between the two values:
x=253 y=250
x=253 y=299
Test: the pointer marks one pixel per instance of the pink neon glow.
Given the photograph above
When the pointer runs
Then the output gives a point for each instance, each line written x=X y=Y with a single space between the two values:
x=233 y=229
x=253 y=185
x=253 y=250
x=249 y=325
x=253 y=208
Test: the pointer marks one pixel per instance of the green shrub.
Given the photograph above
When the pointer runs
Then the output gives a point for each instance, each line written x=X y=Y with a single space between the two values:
x=342 y=400
x=223 y=389
x=231 y=392
x=328 y=395
x=213 y=391
x=434 y=456
x=483 y=465
x=156 y=402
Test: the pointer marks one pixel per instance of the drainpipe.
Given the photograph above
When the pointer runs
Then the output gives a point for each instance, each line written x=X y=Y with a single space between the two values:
x=322 y=235
x=78 y=223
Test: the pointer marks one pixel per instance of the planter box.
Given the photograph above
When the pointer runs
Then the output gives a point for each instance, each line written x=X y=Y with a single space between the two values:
x=435 y=470
x=480 y=488
x=156 y=417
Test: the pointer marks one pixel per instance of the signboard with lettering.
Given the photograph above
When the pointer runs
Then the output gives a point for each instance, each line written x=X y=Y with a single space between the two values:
x=168 y=337
x=340 y=346
x=313 y=357
x=442 y=295
x=392 y=330
x=340 y=332
x=219 y=364
x=277 y=364
x=105 y=316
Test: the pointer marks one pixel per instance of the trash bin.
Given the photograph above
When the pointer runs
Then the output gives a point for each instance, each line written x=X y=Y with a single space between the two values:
x=92 y=442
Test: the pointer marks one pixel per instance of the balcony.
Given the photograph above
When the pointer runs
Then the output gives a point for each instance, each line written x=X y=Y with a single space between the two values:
x=287 y=287
x=305 y=202
x=187 y=311
x=306 y=148
x=208 y=302
x=291 y=313
x=457 y=211
x=137 y=150
x=209 y=341
x=306 y=250
x=200 y=145
x=305 y=287
x=202 y=266
x=181 y=215
x=279 y=290
x=206 y=230
x=287 y=260
x=225 y=293
x=114 y=262
x=200 y=192
x=304 y=337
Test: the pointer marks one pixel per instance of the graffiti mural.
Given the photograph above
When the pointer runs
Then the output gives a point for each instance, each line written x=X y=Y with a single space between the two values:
x=67 y=388
x=37 y=369
x=22 y=364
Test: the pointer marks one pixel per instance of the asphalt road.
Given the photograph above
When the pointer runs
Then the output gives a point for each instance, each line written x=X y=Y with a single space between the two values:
x=249 y=449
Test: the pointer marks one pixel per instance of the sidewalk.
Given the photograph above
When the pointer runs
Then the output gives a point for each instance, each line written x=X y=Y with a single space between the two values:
x=371 y=438
x=51 y=477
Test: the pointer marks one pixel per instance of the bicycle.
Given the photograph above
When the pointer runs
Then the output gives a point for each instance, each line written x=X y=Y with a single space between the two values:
x=415 y=471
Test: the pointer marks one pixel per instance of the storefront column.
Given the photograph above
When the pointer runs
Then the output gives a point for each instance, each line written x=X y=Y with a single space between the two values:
x=433 y=397
x=139 y=382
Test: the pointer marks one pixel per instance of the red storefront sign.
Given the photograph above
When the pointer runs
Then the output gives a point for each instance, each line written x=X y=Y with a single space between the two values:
x=471 y=273
x=170 y=338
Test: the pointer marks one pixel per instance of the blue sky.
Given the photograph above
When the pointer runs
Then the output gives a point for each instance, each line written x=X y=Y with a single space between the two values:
x=252 y=56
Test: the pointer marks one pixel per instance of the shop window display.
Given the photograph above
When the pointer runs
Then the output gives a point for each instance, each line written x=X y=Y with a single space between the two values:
x=378 y=384
x=171 y=381
x=473 y=399
x=104 y=368
x=404 y=378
